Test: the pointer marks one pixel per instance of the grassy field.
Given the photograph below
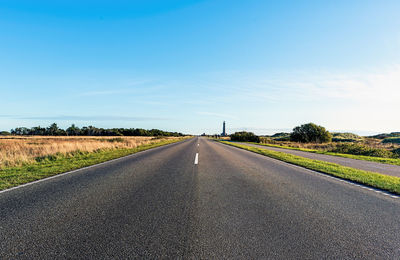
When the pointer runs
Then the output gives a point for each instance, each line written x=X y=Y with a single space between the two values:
x=26 y=159
x=338 y=140
x=393 y=161
x=18 y=151
x=376 y=180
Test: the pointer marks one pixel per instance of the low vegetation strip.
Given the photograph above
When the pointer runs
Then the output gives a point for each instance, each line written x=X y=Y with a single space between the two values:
x=21 y=150
x=392 y=161
x=376 y=180
x=59 y=163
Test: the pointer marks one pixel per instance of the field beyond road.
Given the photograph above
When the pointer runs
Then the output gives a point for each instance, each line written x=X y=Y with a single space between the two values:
x=26 y=159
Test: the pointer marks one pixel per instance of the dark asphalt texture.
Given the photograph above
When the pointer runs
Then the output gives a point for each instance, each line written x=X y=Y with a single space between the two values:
x=387 y=169
x=233 y=204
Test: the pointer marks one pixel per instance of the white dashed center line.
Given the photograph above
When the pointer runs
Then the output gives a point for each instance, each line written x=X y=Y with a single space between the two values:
x=196 y=159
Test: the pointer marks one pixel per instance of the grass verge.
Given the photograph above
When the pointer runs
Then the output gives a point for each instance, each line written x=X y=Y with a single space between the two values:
x=376 y=180
x=53 y=165
x=351 y=156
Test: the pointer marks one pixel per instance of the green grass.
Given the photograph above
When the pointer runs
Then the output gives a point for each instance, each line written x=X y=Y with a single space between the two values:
x=392 y=161
x=376 y=180
x=56 y=164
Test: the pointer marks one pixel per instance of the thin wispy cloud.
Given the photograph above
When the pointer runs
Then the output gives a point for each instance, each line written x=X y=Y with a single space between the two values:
x=312 y=85
x=362 y=100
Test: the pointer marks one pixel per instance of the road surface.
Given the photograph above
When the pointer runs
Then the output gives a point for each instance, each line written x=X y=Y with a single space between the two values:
x=198 y=199
x=387 y=169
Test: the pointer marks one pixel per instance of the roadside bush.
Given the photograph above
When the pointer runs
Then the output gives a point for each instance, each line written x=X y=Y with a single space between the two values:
x=310 y=133
x=359 y=149
x=245 y=137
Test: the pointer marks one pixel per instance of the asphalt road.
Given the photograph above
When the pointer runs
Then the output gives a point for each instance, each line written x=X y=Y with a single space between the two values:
x=388 y=169
x=232 y=204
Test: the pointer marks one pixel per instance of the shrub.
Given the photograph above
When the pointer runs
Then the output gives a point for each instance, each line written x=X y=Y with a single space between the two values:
x=245 y=137
x=393 y=140
x=359 y=149
x=310 y=133
x=343 y=140
x=396 y=152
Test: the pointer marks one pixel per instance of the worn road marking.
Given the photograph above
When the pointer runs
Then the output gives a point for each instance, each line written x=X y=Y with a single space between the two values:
x=196 y=159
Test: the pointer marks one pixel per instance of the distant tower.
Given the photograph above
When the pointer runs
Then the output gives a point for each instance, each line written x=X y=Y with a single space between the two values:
x=223 y=130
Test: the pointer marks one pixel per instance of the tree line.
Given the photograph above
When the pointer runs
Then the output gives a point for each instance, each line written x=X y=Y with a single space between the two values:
x=73 y=130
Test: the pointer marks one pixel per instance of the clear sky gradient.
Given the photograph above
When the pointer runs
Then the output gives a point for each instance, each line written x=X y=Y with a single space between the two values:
x=264 y=66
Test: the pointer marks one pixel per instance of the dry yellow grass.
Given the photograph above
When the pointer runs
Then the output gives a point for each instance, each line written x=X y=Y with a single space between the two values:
x=16 y=151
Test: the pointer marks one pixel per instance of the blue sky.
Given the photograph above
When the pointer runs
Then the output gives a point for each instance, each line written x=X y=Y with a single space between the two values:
x=263 y=66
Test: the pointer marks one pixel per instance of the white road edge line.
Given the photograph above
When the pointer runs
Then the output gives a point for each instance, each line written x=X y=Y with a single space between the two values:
x=376 y=190
x=196 y=159
x=349 y=182
x=81 y=169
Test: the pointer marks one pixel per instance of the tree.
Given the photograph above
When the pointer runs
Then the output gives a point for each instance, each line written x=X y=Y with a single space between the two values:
x=73 y=130
x=310 y=133
x=37 y=131
x=52 y=129
x=90 y=130
x=245 y=137
x=20 y=131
